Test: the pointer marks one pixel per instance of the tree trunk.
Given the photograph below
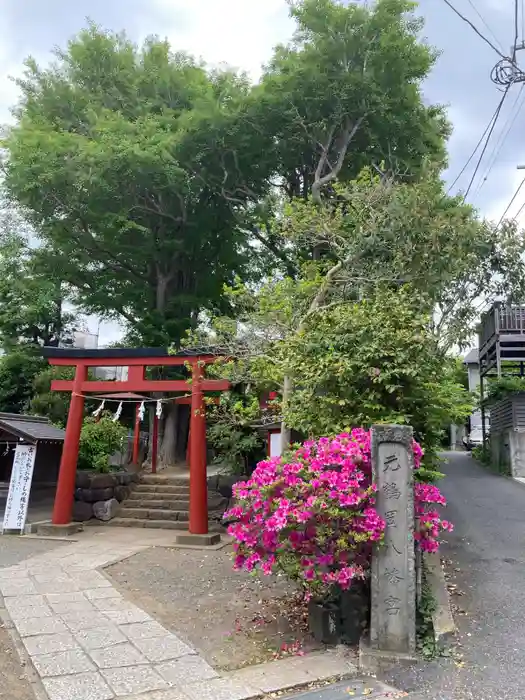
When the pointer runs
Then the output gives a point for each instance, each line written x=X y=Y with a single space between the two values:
x=168 y=446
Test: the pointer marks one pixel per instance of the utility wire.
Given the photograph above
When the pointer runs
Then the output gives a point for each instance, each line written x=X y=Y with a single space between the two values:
x=473 y=152
x=513 y=115
x=512 y=202
x=491 y=130
x=473 y=26
x=485 y=23
x=516 y=28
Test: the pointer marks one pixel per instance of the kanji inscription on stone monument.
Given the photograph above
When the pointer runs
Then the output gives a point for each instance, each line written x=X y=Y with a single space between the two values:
x=393 y=626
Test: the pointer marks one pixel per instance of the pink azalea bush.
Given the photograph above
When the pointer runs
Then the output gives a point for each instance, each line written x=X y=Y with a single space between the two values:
x=313 y=516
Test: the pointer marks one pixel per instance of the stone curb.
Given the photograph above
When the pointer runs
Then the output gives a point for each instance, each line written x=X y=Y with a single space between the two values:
x=442 y=620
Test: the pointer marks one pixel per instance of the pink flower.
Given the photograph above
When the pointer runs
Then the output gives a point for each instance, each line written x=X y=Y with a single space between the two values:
x=315 y=515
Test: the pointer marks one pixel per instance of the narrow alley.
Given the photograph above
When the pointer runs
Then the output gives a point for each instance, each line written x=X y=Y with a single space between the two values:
x=487 y=550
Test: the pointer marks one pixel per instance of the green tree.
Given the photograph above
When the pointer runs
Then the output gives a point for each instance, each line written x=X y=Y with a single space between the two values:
x=384 y=242
x=31 y=297
x=373 y=361
x=18 y=369
x=344 y=94
x=52 y=404
x=118 y=154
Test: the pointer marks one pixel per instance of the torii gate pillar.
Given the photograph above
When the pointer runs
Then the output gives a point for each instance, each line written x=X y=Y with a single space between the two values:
x=63 y=507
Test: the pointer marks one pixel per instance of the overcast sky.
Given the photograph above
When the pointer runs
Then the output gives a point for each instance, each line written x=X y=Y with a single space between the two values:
x=242 y=33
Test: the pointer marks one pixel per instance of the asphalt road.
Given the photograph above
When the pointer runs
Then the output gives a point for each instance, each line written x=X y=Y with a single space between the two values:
x=487 y=549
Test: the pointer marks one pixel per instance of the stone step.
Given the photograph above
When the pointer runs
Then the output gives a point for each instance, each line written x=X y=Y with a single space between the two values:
x=153 y=514
x=176 y=490
x=162 y=503
x=156 y=524
x=162 y=479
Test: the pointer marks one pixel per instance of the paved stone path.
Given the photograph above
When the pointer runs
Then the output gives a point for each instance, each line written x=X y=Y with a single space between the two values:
x=87 y=642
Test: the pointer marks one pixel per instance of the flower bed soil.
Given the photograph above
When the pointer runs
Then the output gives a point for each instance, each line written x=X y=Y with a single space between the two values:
x=233 y=618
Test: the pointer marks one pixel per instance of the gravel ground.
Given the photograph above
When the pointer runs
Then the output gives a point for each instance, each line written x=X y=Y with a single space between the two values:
x=487 y=558
x=14 y=683
x=234 y=619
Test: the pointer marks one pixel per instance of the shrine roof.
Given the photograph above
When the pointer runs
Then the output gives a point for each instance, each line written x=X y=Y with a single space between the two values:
x=30 y=428
x=85 y=353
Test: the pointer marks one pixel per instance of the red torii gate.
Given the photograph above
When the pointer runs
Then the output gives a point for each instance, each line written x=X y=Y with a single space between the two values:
x=136 y=359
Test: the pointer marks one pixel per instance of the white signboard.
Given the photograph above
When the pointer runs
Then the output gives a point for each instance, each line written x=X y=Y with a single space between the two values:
x=275 y=444
x=19 y=487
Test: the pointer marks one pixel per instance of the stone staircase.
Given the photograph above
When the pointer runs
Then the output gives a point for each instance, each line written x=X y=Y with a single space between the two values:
x=157 y=501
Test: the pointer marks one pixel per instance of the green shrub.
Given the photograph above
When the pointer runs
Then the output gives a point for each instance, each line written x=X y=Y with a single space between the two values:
x=98 y=441
x=236 y=443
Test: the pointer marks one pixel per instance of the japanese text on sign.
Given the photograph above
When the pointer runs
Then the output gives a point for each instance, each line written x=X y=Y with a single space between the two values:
x=19 y=487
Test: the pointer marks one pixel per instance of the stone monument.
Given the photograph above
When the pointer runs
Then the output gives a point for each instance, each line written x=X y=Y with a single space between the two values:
x=393 y=616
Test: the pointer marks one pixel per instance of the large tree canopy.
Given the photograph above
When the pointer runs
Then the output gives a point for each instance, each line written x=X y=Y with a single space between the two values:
x=148 y=176
x=345 y=93
x=117 y=155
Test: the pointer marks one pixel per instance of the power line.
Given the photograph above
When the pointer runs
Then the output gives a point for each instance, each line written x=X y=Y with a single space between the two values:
x=512 y=202
x=473 y=26
x=494 y=122
x=473 y=153
x=485 y=23
x=516 y=28
x=513 y=115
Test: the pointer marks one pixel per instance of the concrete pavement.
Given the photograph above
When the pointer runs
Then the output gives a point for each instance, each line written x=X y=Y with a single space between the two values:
x=487 y=549
x=87 y=642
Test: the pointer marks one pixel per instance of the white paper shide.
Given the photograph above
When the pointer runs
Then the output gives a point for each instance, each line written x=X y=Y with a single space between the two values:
x=19 y=488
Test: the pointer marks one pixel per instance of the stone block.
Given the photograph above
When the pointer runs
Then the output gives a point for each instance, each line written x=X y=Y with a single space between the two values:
x=127 y=617
x=98 y=593
x=189 y=669
x=62 y=663
x=123 y=478
x=217 y=505
x=94 y=495
x=31 y=626
x=82 y=511
x=188 y=538
x=117 y=656
x=226 y=484
x=134 y=679
x=213 y=482
x=106 y=510
x=73 y=597
x=82 y=480
x=274 y=676
x=100 y=637
x=103 y=494
x=220 y=689
x=379 y=661
x=47 y=529
x=17 y=586
x=103 y=481
x=78 y=621
x=121 y=493
x=164 y=648
x=75 y=606
x=143 y=630
x=83 y=686
x=79 y=494
x=49 y=643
